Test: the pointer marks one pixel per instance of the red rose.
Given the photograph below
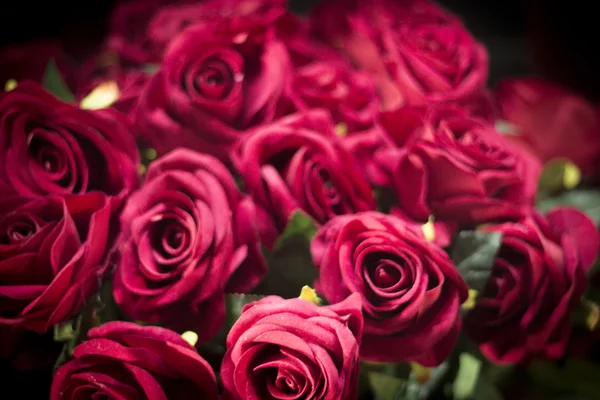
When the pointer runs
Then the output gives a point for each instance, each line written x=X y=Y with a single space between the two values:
x=53 y=253
x=125 y=361
x=446 y=163
x=283 y=349
x=188 y=236
x=51 y=147
x=415 y=52
x=348 y=95
x=538 y=278
x=411 y=292
x=551 y=122
x=298 y=162
x=216 y=81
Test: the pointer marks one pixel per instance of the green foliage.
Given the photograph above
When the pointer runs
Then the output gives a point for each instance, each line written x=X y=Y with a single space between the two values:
x=55 y=84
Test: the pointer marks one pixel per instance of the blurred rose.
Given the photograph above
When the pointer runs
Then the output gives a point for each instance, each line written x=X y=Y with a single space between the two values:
x=53 y=254
x=283 y=349
x=538 y=278
x=298 y=162
x=411 y=292
x=415 y=52
x=125 y=361
x=446 y=163
x=216 y=81
x=188 y=235
x=551 y=122
x=51 y=147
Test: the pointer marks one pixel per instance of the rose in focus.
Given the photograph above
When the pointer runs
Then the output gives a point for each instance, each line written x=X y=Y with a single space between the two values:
x=127 y=361
x=187 y=236
x=538 y=278
x=411 y=292
x=299 y=162
x=53 y=254
x=282 y=349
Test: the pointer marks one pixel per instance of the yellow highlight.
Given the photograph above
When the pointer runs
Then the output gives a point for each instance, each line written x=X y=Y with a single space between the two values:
x=142 y=169
x=429 y=229
x=469 y=304
x=309 y=294
x=341 y=129
x=190 y=337
x=571 y=176
x=559 y=174
x=150 y=154
x=422 y=374
x=103 y=96
x=10 y=85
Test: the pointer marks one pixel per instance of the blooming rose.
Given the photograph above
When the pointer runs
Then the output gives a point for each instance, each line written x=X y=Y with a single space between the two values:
x=416 y=52
x=539 y=276
x=51 y=147
x=446 y=163
x=550 y=121
x=298 y=162
x=284 y=349
x=53 y=253
x=123 y=360
x=348 y=95
x=216 y=81
x=411 y=292
x=188 y=236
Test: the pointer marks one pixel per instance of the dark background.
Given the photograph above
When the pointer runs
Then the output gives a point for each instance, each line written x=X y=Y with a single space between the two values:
x=524 y=37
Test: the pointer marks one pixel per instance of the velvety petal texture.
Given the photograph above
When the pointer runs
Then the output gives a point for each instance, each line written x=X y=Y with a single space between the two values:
x=299 y=162
x=122 y=360
x=411 y=291
x=50 y=147
x=53 y=254
x=292 y=349
x=416 y=52
x=538 y=278
x=187 y=236
x=216 y=81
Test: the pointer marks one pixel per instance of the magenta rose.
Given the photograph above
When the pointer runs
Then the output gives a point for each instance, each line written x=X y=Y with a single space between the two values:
x=53 y=254
x=293 y=349
x=51 y=147
x=551 y=122
x=411 y=292
x=538 y=278
x=123 y=360
x=216 y=81
x=348 y=95
x=188 y=236
x=416 y=52
x=298 y=163
x=446 y=163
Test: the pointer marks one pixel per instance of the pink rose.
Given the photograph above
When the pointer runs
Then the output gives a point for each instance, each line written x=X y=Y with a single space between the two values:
x=551 y=122
x=216 y=81
x=125 y=361
x=53 y=254
x=282 y=349
x=411 y=292
x=416 y=53
x=298 y=162
x=188 y=236
x=538 y=278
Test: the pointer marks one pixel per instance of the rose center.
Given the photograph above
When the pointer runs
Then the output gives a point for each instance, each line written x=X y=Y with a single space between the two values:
x=214 y=81
x=386 y=274
x=286 y=385
x=170 y=237
x=20 y=231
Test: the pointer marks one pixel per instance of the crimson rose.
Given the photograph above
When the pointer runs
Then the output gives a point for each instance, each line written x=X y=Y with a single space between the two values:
x=123 y=360
x=550 y=121
x=284 y=349
x=298 y=162
x=538 y=278
x=411 y=292
x=53 y=254
x=446 y=163
x=51 y=147
x=188 y=235
x=216 y=81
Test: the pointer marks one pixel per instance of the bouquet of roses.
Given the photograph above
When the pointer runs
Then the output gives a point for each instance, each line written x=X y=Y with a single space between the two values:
x=169 y=205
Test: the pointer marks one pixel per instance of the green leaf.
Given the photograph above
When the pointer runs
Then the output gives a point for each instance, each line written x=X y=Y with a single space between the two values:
x=54 y=83
x=586 y=200
x=290 y=262
x=387 y=387
x=67 y=330
x=150 y=69
x=235 y=303
x=474 y=254
x=467 y=378
x=576 y=378
x=587 y=314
